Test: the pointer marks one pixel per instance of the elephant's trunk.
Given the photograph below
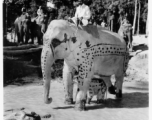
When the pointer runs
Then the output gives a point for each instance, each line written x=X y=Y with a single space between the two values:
x=47 y=59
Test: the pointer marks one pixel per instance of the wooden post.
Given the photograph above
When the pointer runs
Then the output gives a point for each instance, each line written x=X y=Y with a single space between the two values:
x=147 y=23
x=135 y=16
x=138 y=28
x=4 y=19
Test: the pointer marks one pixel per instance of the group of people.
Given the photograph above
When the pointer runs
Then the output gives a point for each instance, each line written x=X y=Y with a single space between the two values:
x=82 y=15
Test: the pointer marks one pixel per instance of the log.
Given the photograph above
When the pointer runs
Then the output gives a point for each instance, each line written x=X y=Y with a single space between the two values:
x=21 y=52
x=21 y=47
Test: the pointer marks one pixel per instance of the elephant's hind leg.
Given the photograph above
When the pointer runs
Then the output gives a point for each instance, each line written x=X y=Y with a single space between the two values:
x=118 y=85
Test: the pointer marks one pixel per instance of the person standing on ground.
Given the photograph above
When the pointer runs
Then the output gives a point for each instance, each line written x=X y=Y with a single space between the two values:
x=103 y=24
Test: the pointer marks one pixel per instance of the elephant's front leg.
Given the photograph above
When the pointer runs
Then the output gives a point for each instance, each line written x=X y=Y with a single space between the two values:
x=81 y=96
x=68 y=73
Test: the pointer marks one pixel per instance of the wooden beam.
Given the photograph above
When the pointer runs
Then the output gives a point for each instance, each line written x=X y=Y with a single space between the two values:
x=21 y=52
x=22 y=47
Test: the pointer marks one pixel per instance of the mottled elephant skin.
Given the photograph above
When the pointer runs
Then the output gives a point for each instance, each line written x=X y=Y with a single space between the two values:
x=88 y=54
x=22 y=28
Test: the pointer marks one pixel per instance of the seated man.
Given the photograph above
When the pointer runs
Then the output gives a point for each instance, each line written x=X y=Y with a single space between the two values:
x=82 y=14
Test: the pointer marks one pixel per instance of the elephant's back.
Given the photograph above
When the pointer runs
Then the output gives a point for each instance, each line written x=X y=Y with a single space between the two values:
x=109 y=37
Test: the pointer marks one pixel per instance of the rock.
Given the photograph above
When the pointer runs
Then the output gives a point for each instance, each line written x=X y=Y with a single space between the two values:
x=138 y=67
x=143 y=55
x=46 y=116
x=16 y=116
x=138 y=51
x=21 y=115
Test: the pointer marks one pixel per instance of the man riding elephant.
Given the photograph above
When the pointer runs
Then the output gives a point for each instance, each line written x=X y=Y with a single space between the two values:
x=22 y=27
x=94 y=52
x=82 y=14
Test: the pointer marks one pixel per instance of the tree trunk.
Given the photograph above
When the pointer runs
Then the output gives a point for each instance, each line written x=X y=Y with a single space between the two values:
x=5 y=19
x=147 y=23
x=135 y=16
x=139 y=18
x=20 y=52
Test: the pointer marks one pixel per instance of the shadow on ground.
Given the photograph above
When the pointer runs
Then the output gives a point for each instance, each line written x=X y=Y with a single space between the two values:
x=65 y=107
x=130 y=100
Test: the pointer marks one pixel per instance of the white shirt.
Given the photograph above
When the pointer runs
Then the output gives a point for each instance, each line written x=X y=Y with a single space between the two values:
x=103 y=24
x=83 y=11
x=39 y=12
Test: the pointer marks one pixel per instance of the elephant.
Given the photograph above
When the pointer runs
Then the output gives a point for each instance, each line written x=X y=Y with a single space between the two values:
x=22 y=28
x=97 y=87
x=97 y=83
x=89 y=50
x=38 y=28
x=125 y=31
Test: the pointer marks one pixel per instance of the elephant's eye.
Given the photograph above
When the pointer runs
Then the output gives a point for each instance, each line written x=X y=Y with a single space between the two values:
x=55 y=42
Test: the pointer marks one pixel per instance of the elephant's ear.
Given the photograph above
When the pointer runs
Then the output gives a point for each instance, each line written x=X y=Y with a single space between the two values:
x=55 y=42
x=74 y=43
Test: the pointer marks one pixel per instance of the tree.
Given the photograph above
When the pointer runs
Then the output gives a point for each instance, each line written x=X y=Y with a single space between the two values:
x=135 y=16
x=138 y=17
x=147 y=23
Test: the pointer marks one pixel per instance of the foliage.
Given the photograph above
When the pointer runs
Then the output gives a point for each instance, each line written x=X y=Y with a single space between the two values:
x=66 y=8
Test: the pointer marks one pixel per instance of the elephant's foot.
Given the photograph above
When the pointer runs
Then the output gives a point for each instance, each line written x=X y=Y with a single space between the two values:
x=112 y=89
x=88 y=100
x=32 y=42
x=80 y=106
x=119 y=94
x=99 y=101
x=48 y=101
x=68 y=101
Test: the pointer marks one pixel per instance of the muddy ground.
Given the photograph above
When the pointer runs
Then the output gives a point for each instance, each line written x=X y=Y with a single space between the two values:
x=25 y=93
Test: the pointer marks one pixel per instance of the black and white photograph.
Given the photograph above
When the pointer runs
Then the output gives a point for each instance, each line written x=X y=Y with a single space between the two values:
x=75 y=59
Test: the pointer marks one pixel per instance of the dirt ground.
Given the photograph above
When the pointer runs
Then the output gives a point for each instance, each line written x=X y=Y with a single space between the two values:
x=133 y=106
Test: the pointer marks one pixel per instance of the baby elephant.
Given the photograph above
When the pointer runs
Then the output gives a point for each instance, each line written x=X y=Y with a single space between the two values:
x=97 y=87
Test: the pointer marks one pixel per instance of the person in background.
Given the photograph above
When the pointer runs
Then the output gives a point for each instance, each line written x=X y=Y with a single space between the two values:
x=40 y=11
x=23 y=10
x=82 y=14
x=25 y=14
x=103 y=24
x=125 y=21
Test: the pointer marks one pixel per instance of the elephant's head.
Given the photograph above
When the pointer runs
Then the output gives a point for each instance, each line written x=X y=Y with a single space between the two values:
x=59 y=43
